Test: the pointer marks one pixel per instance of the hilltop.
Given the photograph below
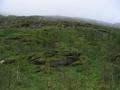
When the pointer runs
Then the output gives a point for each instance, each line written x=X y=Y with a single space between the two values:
x=37 y=21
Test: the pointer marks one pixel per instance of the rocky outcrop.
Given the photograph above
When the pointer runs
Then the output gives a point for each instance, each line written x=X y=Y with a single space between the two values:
x=69 y=59
x=7 y=61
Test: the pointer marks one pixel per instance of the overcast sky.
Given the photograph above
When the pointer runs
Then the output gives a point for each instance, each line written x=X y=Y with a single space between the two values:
x=104 y=10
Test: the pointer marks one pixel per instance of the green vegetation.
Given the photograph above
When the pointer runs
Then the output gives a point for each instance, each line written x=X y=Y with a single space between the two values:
x=26 y=43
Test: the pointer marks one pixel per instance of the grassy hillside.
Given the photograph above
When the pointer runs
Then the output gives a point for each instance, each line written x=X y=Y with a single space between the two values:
x=58 y=55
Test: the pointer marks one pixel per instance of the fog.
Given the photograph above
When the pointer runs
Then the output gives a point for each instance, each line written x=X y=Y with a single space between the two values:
x=103 y=10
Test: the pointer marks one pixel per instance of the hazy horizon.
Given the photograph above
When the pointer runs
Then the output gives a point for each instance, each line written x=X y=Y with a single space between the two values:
x=103 y=10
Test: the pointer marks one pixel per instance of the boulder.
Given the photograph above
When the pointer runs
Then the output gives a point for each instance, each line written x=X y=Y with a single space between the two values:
x=2 y=61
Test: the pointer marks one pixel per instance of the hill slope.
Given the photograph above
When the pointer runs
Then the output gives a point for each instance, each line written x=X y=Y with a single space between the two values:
x=58 y=55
